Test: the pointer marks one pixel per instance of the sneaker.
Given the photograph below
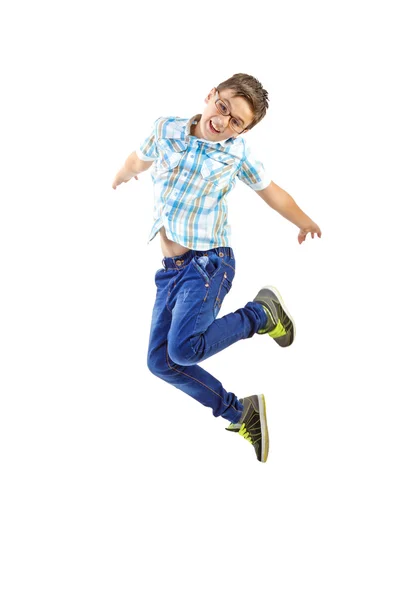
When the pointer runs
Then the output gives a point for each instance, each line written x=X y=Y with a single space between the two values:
x=252 y=425
x=280 y=324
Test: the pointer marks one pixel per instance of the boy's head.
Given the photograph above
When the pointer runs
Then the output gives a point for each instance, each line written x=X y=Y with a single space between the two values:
x=233 y=107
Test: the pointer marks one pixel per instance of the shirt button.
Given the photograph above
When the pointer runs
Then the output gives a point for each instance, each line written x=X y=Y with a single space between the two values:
x=166 y=214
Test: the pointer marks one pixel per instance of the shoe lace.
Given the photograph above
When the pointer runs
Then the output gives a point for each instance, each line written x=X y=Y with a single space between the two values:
x=278 y=331
x=245 y=434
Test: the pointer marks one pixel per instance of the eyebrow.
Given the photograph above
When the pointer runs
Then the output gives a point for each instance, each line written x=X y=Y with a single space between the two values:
x=239 y=118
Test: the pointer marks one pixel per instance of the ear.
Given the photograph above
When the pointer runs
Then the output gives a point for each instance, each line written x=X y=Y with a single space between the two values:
x=210 y=95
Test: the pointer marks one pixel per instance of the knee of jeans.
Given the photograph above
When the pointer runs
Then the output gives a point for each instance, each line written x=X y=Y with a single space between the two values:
x=181 y=353
x=157 y=363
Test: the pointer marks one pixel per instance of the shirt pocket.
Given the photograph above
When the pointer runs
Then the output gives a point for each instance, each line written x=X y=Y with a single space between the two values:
x=218 y=171
x=171 y=153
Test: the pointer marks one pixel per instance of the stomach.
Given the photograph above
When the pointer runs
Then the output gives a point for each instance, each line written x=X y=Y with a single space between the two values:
x=170 y=248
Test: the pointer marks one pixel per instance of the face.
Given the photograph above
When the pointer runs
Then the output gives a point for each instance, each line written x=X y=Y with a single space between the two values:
x=215 y=127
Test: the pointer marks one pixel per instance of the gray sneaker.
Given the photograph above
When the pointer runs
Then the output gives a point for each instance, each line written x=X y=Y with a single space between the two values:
x=252 y=425
x=280 y=325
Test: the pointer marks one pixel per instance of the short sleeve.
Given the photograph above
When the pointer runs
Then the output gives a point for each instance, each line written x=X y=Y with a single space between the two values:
x=148 y=149
x=252 y=172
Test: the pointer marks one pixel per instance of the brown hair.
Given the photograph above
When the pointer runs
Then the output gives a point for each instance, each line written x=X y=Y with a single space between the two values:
x=248 y=87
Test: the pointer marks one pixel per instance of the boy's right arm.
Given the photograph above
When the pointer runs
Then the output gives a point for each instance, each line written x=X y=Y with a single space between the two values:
x=133 y=166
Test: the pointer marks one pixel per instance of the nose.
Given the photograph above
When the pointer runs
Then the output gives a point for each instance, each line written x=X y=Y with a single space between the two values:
x=221 y=122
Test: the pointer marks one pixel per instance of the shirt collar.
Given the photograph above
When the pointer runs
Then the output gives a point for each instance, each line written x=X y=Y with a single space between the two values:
x=195 y=119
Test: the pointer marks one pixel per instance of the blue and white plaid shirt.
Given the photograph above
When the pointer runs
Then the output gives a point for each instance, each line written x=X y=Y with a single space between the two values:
x=192 y=178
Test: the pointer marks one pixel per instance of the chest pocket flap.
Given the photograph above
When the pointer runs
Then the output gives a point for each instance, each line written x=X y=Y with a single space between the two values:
x=218 y=167
x=171 y=152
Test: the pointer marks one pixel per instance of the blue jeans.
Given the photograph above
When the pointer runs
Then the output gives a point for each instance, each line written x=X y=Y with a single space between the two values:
x=185 y=331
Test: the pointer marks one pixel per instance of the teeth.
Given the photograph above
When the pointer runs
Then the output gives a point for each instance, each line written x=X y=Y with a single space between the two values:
x=214 y=127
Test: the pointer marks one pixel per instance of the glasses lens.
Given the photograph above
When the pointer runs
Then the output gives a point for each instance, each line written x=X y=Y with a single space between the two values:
x=222 y=107
x=236 y=126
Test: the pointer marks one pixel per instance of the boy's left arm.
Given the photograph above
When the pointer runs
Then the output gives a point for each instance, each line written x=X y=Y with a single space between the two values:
x=284 y=204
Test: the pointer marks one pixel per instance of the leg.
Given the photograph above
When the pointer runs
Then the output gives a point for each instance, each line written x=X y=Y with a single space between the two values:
x=195 y=334
x=192 y=380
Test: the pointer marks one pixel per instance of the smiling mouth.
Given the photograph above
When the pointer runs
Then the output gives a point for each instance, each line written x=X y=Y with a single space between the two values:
x=212 y=128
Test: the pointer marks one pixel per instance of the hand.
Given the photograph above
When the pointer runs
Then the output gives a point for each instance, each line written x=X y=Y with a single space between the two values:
x=119 y=179
x=312 y=228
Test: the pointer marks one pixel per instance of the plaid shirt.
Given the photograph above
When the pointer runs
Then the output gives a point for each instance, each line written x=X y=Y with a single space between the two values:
x=192 y=178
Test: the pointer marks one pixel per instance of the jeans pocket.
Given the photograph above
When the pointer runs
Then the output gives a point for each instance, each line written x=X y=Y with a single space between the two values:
x=207 y=266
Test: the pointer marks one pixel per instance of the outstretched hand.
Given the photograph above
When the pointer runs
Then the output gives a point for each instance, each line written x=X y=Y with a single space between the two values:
x=118 y=180
x=313 y=228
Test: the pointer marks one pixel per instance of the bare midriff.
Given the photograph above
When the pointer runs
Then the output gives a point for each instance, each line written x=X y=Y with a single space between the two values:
x=170 y=248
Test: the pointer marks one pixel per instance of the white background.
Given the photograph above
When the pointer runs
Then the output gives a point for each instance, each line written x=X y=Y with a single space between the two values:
x=113 y=484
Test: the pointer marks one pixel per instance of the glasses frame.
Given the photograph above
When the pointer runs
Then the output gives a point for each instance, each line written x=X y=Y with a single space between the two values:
x=228 y=114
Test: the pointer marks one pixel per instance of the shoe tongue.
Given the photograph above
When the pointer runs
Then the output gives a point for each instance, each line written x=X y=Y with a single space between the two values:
x=273 y=312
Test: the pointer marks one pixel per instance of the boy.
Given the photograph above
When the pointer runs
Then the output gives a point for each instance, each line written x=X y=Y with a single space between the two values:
x=196 y=162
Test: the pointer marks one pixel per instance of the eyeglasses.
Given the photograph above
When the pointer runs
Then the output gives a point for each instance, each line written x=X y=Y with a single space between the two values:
x=222 y=108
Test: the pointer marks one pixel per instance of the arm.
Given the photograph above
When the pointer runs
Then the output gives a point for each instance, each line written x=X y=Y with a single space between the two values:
x=284 y=204
x=133 y=166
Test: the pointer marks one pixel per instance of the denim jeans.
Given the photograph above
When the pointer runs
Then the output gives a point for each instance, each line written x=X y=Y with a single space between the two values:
x=185 y=329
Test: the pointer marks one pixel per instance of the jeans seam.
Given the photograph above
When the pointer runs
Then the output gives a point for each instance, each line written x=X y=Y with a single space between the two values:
x=228 y=265
x=190 y=377
x=200 y=311
x=204 y=279
x=217 y=300
x=218 y=293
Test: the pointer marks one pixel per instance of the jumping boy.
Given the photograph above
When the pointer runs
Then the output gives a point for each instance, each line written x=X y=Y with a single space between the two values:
x=196 y=163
